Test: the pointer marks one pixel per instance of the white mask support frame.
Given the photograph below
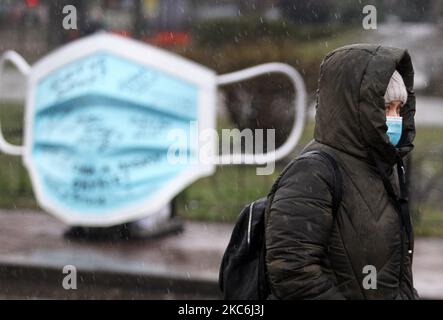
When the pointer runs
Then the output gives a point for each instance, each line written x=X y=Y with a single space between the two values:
x=20 y=63
x=299 y=106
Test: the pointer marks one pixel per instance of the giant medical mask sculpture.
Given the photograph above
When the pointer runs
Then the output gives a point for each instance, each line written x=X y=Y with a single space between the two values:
x=98 y=114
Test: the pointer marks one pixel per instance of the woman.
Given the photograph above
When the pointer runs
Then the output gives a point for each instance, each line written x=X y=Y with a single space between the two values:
x=309 y=253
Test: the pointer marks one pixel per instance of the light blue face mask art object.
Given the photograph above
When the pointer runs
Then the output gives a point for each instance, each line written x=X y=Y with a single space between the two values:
x=99 y=113
x=395 y=127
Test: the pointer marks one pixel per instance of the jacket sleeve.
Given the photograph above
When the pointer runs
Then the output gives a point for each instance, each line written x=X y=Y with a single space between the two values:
x=297 y=231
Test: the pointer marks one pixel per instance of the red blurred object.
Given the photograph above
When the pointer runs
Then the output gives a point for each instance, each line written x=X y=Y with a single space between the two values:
x=166 y=38
x=32 y=3
x=124 y=33
x=73 y=35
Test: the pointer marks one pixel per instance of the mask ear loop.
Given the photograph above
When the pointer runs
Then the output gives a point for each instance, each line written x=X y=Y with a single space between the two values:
x=299 y=106
x=19 y=62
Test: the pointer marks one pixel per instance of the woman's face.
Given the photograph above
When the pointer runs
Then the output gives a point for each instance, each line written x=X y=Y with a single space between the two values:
x=393 y=108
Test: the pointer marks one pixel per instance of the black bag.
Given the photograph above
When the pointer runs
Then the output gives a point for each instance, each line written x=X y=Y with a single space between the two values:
x=242 y=274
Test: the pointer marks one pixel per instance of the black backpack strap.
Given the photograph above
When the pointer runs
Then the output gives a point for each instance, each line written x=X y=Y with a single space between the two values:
x=337 y=192
x=401 y=202
x=404 y=201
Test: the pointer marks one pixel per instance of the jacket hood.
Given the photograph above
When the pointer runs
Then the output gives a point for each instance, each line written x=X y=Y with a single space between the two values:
x=350 y=110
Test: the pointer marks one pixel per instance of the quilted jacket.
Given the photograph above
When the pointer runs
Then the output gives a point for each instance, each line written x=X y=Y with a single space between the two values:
x=309 y=253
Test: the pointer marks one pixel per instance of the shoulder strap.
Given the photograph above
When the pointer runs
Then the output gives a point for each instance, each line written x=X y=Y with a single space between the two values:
x=337 y=192
x=401 y=202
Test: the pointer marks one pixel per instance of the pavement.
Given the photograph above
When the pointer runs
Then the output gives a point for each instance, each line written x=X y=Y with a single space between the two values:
x=427 y=267
x=33 y=253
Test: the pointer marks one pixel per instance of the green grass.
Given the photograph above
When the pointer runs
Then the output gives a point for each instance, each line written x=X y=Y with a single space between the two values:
x=428 y=138
x=430 y=223
x=220 y=197
x=15 y=185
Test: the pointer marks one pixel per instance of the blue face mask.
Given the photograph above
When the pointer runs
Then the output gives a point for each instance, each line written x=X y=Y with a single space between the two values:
x=100 y=133
x=394 y=129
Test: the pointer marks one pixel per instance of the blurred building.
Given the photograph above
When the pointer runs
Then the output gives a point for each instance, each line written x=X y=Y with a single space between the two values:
x=34 y=27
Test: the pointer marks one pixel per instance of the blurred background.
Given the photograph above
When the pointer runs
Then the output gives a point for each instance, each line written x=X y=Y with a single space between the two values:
x=228 y=35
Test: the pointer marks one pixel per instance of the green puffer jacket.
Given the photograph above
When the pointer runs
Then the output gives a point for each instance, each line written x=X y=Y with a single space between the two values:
x=310 y=254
